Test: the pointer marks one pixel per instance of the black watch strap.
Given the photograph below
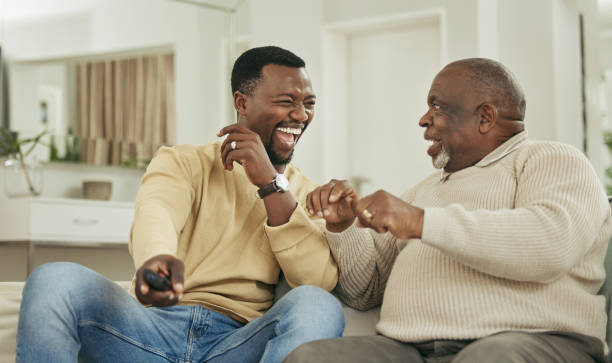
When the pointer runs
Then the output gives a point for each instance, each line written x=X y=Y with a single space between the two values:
x=268 y=189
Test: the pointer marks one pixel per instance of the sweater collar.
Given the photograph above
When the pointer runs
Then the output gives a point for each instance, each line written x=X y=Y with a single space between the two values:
x=500 y=152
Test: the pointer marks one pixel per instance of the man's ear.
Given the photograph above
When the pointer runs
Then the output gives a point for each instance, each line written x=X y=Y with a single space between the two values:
x=240 y=102
x=487 y=117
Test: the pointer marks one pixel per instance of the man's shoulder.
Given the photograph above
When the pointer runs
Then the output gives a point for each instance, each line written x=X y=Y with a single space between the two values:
x=205 y=152
x=299 y=183
x=550 y=149
x=293 y=172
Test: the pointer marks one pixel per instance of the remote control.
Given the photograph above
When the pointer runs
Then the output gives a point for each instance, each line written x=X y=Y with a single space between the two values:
x=156 y=281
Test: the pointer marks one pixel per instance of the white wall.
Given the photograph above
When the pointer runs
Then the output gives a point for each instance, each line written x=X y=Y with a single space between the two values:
x=461 y=18
x=540 y=42
x=38 y=29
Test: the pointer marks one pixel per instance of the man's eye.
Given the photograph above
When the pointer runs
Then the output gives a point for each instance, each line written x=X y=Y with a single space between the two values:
x=435 y=107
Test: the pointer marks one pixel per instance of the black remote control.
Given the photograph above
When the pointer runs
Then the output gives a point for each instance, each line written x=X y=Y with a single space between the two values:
x=156 y=281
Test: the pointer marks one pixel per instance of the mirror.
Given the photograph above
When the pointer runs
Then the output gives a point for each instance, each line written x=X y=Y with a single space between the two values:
x=113 y=80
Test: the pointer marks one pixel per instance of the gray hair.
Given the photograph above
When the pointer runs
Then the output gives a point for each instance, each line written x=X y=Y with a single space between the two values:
x=495 y=82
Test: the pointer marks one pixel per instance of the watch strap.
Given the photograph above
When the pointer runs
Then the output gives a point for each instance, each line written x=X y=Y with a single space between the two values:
x=268 y=189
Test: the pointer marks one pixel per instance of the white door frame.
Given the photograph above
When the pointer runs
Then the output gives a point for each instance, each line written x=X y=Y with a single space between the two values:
x=336 y=82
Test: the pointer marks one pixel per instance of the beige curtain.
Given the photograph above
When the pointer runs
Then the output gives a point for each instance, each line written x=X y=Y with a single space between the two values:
x=125 y=108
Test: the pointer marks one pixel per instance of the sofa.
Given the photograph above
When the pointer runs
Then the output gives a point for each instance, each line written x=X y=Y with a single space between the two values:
x=357 y=322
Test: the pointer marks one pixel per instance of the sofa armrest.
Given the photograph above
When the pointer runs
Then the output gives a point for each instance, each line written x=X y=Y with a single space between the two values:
x=10 y=299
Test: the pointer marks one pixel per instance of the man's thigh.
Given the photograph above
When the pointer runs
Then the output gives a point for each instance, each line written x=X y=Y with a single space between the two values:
x=374 y=349
x=521 y=347
x=68 y=308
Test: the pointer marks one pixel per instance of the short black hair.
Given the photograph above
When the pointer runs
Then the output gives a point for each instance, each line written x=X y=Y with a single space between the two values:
x=247 y=68
x=493 y=80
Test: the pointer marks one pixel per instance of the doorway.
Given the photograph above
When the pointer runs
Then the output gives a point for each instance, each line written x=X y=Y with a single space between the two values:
x=387 y=68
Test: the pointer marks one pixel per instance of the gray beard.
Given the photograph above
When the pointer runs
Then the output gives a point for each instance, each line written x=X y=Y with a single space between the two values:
x=441 y=160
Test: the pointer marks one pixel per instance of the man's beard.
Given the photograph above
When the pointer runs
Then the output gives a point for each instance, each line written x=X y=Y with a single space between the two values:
x=275 y=159
x=441 y=159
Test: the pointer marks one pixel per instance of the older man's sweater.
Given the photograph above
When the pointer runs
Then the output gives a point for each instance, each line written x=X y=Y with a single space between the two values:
x=515 y=242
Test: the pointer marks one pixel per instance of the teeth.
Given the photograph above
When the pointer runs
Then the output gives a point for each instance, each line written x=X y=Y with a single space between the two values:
x=290 y=130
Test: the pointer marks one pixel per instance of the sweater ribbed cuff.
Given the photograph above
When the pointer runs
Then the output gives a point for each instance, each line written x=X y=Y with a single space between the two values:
x=349 y=244
x=298 y=228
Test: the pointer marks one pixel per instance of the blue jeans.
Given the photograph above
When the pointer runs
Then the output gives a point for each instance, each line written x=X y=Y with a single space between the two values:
x=69 y=312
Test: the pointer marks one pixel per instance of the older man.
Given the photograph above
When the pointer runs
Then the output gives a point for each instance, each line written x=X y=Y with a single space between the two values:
x=497 y=258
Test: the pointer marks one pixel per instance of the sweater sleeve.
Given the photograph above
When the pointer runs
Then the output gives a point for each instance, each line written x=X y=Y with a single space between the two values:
x=302 y=251
x=299 y=245
x=162 y=206
x=560 y=208
x=364 y=259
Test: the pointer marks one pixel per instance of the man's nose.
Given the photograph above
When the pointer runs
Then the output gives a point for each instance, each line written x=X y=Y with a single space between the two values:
x=426 y=119
x=299 y=113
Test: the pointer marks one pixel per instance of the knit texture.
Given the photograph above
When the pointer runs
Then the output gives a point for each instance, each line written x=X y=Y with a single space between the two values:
x=190 y=207
x=515 y=242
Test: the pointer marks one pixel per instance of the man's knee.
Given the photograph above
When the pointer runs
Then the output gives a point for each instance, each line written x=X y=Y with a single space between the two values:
x=502 y=347
x=316 y=309
x=355 y=349
x=56 y=280
x=310 y=352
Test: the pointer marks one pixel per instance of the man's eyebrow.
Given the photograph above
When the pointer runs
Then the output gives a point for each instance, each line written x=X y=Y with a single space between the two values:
x=292 y=96
x=285 y=94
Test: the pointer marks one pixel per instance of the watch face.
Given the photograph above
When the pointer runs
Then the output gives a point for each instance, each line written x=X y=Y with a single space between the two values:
x=282 y=182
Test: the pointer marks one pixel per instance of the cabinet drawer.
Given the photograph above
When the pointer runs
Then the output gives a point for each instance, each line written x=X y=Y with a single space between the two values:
x=73 y=222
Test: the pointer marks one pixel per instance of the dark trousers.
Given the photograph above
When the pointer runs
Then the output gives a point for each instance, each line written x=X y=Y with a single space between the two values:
x=511 y=346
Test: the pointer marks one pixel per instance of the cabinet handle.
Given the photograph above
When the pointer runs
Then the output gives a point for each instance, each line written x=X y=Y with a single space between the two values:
x=85 y=221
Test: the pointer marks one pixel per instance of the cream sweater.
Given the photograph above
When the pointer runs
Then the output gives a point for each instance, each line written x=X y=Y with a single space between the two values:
x=515 y=242
x=190 y=207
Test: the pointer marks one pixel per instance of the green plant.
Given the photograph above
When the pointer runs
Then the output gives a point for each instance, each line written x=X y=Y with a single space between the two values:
x=136 y=163
x=20 y=149
x=608 y=141
x=72 y=148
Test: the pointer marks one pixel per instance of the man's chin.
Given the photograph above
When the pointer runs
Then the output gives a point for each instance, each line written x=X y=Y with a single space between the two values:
x=441 y=159
x=279 y=160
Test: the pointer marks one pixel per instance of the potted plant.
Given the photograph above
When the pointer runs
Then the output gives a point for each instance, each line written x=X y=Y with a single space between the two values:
x=21 y=177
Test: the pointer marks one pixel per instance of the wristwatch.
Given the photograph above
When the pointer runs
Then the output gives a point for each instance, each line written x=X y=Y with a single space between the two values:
x=279 y=184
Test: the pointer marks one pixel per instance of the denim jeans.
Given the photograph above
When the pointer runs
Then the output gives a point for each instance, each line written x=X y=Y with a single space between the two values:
x=71 y=313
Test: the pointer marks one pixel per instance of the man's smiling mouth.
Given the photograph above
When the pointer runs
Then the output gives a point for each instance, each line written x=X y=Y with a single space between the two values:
x=433 y=146
x=290 y=130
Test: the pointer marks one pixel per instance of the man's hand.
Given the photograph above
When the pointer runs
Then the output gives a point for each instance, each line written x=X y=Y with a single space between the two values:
x=249 y=151
x=332 y=202
x=382 y=212
x=165 y=265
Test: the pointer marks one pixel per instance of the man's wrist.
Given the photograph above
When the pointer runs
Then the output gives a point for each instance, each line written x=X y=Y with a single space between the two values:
x=266 y=181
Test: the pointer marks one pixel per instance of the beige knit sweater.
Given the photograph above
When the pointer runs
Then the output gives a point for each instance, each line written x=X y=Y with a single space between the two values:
x=515 y=242
x=190 y=207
